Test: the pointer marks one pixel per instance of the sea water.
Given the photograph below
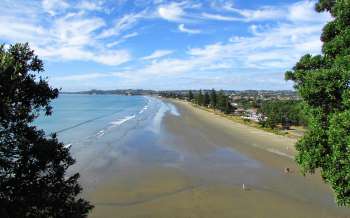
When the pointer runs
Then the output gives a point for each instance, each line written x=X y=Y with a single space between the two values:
x=104 y=131
x=77 y=117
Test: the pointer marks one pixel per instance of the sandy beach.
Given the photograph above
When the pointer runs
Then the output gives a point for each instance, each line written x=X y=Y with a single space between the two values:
x=212 y=167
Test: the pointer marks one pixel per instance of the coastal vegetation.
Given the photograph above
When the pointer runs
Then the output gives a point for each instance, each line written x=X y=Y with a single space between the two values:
x=272 y=114
x=285 y=113
x=215 y=100
x=209 y=99
x=323 y=83
x=33 y=166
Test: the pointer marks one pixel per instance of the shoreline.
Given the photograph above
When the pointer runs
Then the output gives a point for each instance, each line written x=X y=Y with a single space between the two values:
x=253 y=124
x=201 y=133
x=285 y=148
x=198 y=170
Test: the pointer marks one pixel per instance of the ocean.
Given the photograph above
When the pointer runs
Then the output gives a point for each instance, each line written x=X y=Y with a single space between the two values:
x=78 y=118
x=105 y=131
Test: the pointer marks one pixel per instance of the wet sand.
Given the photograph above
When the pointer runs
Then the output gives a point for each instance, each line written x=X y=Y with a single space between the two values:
x=200 y=171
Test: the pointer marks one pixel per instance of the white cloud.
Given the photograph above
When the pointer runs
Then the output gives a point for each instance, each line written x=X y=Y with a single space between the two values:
x=303 y=11
x=80 y=77
x=76 y=30
x=90 y=5
x=112 y=57
x=68 y=36
x=123 y=39
x=268 y=49
x=171 y=12
x=167 y=67
x=182 y=28
x=54 y=6
x=115 y=43
x=130 y=35
x=277 y=48
x=247 y=15
x=157 y=54
x=109 y=57
x=62 y=30
x=220 y=17
x=124 y=23
x=266 y=13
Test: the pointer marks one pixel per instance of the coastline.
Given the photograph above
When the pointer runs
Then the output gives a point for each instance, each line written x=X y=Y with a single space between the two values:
x=199 y=170
x=271 y=142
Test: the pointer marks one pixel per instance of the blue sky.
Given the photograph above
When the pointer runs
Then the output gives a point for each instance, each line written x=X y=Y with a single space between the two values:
x=159 y=44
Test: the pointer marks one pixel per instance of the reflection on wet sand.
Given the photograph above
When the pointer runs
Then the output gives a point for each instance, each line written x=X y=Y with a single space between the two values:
x=192 y=168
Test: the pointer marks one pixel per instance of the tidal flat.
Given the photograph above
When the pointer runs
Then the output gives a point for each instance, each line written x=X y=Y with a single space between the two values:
x=196 y=167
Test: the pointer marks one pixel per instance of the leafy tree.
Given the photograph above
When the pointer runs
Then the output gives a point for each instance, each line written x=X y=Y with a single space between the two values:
x=206 y=99
x=33 y=178
x=284 y=112
x=190 y=95
x=199 y=98
x=223 y=103
x=269 y=113
x=323 y=83
x=213 y=98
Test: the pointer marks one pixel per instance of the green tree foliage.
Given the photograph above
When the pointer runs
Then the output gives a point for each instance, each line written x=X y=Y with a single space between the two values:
x=206 y=99
x=213 y=98
x=323 y=83
x=33 y=178
x=199 y=98
x=223 y=103
x=190 y=95
x=278 y=112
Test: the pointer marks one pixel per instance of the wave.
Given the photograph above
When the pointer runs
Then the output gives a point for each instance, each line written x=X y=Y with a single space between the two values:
x=86 y=121
x=68 y=146
x=143 y=109
x=121 y=121
x=173 y=110
x=100 y=133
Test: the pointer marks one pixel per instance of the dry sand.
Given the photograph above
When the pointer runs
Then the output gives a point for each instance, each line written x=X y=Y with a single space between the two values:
x=216 y=157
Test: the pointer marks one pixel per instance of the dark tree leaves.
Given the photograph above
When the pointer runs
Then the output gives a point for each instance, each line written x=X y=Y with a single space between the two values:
x=33 y=167
x=323 y=83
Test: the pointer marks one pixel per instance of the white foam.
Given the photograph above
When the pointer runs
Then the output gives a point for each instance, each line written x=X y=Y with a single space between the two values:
x=143 y=109
x=121 y=121
x=173 y=110
x=100 y=133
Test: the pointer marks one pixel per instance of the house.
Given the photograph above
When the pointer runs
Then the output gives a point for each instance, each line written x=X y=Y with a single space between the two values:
x=239 y=111
x=252 y=114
